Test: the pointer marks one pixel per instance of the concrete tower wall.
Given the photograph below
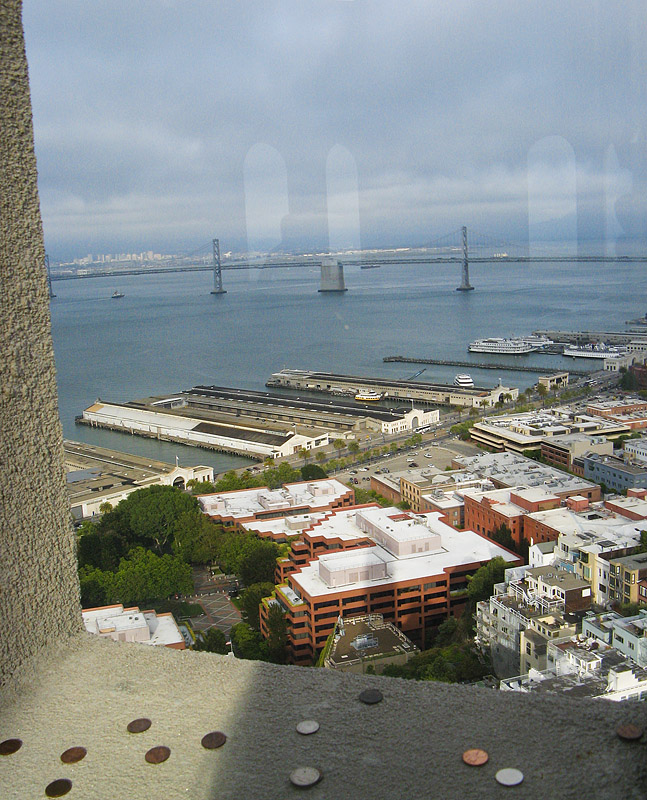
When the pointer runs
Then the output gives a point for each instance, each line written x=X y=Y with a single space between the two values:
x=39 y=594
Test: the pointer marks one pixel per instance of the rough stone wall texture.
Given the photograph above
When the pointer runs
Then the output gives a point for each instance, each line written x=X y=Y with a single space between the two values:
x=39 y=596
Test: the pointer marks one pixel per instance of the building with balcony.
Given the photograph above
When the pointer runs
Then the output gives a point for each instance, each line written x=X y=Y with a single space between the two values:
x=627 y=634
x=414 y=573
x=583 y=669
x=628 y=578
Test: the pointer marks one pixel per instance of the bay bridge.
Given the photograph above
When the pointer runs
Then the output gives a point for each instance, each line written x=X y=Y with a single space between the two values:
x=451 y=248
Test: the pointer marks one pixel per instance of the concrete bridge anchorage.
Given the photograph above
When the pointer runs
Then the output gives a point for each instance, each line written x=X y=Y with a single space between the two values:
x=332 y=276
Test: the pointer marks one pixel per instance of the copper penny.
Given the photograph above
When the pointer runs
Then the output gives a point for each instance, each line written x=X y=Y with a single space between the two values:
x=213 y=740
x=73 y=754
x=139 y=725
x=156 y=755
x=10 y=746
x=629 y=732
x=475 y=757
x=58 y=788
x=371 y=696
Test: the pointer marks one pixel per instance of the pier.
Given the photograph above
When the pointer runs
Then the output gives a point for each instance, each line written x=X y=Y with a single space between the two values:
x=594 y=337
x=441 y=362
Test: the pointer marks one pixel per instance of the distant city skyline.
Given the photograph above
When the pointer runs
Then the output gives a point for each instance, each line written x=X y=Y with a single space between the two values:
x=331 y=125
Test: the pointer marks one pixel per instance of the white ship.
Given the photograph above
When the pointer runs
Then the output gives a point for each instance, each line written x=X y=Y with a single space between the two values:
x=464 y=381
x=537 y=341
x=513 y=347
x=600 y=350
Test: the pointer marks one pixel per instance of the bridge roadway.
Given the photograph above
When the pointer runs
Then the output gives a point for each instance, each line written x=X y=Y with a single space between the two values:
x=107 y=273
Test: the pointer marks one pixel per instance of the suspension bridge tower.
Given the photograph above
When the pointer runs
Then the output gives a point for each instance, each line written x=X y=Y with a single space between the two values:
x=49 y=276
x=465 y=286
x=217 y=269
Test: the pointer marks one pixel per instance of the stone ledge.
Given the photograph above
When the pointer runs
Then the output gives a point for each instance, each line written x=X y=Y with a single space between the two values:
x=409 y=745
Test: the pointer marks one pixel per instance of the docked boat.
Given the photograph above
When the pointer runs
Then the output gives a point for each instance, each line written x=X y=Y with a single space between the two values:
x=117 y=294
x=464 y=381
x=368 y=397
x=514 y=347
x=537 y=341
x=600 y=350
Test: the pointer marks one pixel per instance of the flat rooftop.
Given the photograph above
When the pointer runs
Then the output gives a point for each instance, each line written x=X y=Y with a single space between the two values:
x=368 y=637
x=246 y=503
x=348 y=408
x=514 y=469
x=457 y=548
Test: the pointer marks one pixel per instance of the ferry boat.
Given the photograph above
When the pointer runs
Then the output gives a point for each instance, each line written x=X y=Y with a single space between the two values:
x=464 y=381
x=536 y=340
x=370 y=266
x=600 y=350
x=512 y=347
x=117 y=294
x=368 y=397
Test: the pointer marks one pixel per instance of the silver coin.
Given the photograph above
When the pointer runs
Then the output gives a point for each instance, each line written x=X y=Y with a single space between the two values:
x=308 y=726
x=305 y=776
x=509 y=777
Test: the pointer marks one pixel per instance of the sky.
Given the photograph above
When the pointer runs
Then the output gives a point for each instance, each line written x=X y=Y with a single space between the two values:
x=330 y=124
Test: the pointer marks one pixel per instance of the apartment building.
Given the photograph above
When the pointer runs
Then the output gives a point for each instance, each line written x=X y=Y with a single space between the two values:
x=562 y=450
x=613 y=472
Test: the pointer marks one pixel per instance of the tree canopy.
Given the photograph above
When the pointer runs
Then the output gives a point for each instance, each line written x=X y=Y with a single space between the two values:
x=481 y=584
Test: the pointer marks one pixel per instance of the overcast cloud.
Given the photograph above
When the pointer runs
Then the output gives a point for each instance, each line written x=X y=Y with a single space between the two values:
x=159 y=125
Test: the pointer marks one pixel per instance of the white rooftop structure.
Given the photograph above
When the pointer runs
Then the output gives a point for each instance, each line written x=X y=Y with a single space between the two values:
x=379 y=564
x=247 y=503
x=132 y=625
x=595 y=524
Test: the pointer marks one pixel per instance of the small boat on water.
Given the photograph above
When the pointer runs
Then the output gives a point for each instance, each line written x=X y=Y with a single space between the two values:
x=370 y=266
x=117 y=294
x=464 y=381
x=368 y=397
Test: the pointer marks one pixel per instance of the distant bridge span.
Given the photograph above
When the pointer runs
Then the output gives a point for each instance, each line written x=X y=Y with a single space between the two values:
x=332 y=275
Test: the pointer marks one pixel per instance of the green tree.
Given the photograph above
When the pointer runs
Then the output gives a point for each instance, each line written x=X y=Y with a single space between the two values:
x=339 y=444
x=303 y=453
x=320 y=456
x=148 y=516
x=312 y=471
x=200 y=487
x=195 y=538
x=481 y=584
x=250 y=601
x=212 y=641
x=105 y=507
x=258 y=564
x=503 y=535
x=277 y=634
x=96 y=587
x=144 y=576
x=248 y=643
x=353 y=447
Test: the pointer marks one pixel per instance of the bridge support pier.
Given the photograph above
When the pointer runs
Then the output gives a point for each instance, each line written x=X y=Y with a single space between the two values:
x=332 y=276
x=217 y=269
x=465 y=286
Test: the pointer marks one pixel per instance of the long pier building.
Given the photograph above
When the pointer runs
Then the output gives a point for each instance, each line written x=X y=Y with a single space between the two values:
x=258 y=424
x=418 y=391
